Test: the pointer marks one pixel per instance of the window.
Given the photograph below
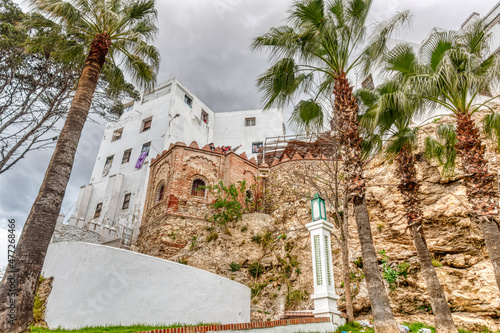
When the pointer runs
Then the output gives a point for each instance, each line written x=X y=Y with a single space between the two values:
x=146 y=125
x=257 y=147
x=188 y=100
x=126 y=156
x=145 y=148
x=250 y=121
x=204 y=116
x=117 y=135
x=143 y=155
x=160 y=193
x=126 y=200
x=107 y=165
x=198 y=188
x=98 y=209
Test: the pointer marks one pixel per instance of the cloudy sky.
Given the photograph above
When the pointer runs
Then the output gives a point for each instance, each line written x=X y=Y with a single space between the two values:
x=205 y=44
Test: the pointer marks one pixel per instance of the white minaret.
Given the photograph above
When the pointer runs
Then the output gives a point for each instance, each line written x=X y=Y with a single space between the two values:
x=325 y=299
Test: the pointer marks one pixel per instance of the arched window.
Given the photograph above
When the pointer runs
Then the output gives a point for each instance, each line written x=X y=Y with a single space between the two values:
x=198 y=189
x=160 y=193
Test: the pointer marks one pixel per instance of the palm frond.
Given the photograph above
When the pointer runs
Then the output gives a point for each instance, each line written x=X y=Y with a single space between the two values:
x=492 y=127
x=307 y=116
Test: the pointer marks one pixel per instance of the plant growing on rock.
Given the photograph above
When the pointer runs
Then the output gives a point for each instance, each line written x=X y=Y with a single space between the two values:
x=256 y=269
x=234 y=266
x=228 y=205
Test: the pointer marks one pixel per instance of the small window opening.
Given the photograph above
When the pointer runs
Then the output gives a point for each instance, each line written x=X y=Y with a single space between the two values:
x=117 y=135
x=126 y=200
x=160 y=193
x=204 y=116
x=257 y=147
x=198 y=188
x=107 y=165
x=126 y=156
x=98 y=209
x=188 y=100
x=146 y=125
x=250 y=121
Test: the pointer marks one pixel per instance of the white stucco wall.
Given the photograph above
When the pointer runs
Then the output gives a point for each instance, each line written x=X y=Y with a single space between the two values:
x=230 y=129
x=98 y=285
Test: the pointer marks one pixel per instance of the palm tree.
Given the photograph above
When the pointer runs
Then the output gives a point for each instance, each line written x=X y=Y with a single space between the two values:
x=389 y=112
x=321 y=46
x=452 y=70
x=113 y=31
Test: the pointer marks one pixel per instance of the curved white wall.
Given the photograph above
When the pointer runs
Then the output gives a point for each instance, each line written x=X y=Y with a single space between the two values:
x=99 y=285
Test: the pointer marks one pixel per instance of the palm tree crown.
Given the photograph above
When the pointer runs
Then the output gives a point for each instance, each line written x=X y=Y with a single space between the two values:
x=120 y=29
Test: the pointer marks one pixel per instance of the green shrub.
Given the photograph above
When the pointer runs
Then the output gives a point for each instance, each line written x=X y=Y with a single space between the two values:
x=256 y=288
x=244 y=228
x=359 y=262
x=436 y=263
x=295 y=297
x=227 y=204
x=234 y=267
x=212 y=237
x=256 y=269
x=257 y=239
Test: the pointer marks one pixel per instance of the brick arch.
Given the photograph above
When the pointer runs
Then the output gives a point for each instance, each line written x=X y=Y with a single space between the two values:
x=197 y=180
x=160 y=191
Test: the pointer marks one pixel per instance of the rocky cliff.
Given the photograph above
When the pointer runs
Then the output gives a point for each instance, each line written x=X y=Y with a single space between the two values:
x=271 y=252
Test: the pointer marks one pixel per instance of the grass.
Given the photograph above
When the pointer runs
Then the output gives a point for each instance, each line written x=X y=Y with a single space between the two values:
x=414 y=327
x=111 y=329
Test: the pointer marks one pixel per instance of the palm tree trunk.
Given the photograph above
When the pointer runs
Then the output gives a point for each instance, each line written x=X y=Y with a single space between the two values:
x=39 y=227
x=408 y=187
x=346 y=114
x=345 y=266
x=480 y=186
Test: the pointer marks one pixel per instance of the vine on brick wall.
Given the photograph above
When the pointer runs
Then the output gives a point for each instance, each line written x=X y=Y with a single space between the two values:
x=230 y=202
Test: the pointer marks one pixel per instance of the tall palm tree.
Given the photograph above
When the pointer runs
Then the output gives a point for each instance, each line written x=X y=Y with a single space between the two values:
x=116 y=31
x=388 y=115
x=321 y=46
x=452 y=70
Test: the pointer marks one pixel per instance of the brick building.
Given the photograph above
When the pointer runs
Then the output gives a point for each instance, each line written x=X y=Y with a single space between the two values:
x=178 y=176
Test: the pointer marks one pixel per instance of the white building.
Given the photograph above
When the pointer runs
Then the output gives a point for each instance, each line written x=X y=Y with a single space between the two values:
x=112 y=203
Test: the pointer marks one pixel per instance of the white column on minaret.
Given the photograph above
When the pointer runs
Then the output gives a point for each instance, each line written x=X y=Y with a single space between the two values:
x=325 y=299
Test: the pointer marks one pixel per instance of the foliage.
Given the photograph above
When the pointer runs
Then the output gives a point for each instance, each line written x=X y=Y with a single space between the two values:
x=350 y=327
x=358 y=262
x=256 y=288
x=37 y=86
x=193 y=243
x=436 y=263
x=295 y=297
x=257 y=238
x=443 y=148
x=234 y=267
x=228 y=202
x=39 y=305
x=391 y=275
x=212 y=237
x=256 y=269
x=244 y=228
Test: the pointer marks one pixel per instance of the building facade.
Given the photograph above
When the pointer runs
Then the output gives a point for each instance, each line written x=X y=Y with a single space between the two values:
x=112 y=203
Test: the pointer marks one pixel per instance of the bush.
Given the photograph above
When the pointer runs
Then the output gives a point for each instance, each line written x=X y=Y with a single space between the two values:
x=212 y=237
x=256 y=288
x=256 y=269
x=227 y=205
x=436 y=263
x=294 y=297
x=234 y=266
x=257 y=239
